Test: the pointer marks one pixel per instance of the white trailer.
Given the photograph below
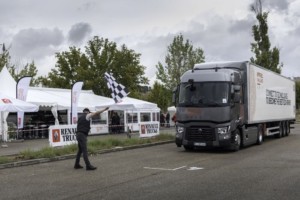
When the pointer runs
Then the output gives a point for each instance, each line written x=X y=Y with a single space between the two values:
x=271 y=98
x=232 y=104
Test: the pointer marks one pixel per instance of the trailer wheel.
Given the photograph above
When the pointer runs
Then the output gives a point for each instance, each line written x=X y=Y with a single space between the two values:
x=288 y=129
x=284 y=129
x=280 y=134
x=236 y=141
x=260 y=135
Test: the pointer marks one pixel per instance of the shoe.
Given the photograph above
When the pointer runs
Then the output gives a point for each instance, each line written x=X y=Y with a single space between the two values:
x=91 y=167
x=78 y=166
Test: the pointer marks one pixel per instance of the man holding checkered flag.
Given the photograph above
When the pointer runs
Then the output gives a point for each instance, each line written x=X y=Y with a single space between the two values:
x=118 y=91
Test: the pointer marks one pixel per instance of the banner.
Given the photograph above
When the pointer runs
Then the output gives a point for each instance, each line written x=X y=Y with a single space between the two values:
x=62 y=135
x=149 y=129
x=76 y=89
x=22 y=89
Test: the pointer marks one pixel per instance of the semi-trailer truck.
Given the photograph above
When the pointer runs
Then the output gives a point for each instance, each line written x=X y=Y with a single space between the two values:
x=232 y=105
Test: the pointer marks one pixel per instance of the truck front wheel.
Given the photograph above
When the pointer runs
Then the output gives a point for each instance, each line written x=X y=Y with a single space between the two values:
x=236 y=141
x=188 y=148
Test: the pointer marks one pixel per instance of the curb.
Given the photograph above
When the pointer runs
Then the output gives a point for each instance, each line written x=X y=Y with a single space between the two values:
x=72 y=156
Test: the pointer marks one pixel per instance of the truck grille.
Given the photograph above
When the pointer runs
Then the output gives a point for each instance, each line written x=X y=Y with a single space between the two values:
x=200 y=134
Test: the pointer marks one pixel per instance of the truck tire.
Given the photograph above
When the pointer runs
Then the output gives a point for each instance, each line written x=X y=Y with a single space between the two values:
x=260 y=135
x=280 y=134
x=284 y=129
x=288 y=129
x=236 y=141
x=178 y=142
x=188 y=148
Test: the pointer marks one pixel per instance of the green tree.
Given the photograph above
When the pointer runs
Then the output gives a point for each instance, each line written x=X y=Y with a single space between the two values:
x=181 y=57
x=4 y=56
x=28 y=70
x=100 y=56
x=164 y=94
x=127 y=69
x=264 y=55
x=68 y=69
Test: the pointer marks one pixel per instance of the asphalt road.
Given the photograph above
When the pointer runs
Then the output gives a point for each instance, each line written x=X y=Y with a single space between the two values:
x=268 y=171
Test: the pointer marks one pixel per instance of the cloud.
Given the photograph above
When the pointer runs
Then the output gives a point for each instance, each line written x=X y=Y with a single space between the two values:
x=223 y=31
x=79 y=32
x=279 y=5
x=36 y=43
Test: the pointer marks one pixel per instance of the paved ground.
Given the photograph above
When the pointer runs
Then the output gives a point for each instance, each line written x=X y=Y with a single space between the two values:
x=37 y=144
x=265 y=172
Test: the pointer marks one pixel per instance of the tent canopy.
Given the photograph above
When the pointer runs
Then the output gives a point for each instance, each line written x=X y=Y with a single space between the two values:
x=10 y=104
x=130 y=104
x=61 y=98
x=8 y=83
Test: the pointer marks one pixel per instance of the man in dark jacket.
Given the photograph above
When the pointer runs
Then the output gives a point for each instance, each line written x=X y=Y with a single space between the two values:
x=168 y=120
x=83 y=129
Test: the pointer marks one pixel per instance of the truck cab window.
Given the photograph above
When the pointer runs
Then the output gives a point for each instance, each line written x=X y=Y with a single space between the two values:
x=204 y=94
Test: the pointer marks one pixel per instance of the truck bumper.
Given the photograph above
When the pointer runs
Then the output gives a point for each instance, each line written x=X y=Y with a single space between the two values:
x=203 y=135
x=223 y=143
x=219 y=142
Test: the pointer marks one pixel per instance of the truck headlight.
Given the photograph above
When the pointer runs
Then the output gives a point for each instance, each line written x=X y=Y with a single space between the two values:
x=179 y=132
x=223 y=130
x=180 y=129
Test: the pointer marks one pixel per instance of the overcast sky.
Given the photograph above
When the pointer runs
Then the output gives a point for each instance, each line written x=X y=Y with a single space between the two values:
x=37 y=29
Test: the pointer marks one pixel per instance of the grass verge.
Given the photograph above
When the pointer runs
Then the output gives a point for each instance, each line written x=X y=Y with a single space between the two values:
x=93 y=147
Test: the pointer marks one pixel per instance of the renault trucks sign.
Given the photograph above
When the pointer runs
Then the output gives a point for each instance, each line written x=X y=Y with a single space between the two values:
x=62 y=135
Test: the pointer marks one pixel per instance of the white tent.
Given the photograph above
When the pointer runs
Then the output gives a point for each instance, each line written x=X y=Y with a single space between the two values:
x=61 y=98
x=134 y=108
x=8 y=84
x=9 y=104
x=130 y=104
x=55 y=99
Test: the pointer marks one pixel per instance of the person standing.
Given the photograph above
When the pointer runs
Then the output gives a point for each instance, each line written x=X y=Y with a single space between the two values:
x=115 y=122
x=83 y=129
x=162 y=119
x=118 y=122
x=168 y=120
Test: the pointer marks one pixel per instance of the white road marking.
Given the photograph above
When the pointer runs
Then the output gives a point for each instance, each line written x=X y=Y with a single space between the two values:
x=195 y=168
x=164 y=168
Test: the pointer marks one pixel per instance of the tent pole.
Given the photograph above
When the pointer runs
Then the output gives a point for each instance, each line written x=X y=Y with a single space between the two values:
x=2 y=131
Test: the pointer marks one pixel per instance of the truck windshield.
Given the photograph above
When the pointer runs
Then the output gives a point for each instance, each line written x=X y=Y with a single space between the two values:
x=204 y=94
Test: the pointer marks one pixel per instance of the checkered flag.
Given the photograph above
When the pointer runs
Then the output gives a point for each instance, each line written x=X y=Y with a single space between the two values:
x=118 y=91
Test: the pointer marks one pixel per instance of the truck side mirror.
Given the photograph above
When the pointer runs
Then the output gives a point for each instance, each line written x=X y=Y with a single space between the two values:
x=236 y=98
x=235 y=88
x=175 y=90
x=174 y=98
